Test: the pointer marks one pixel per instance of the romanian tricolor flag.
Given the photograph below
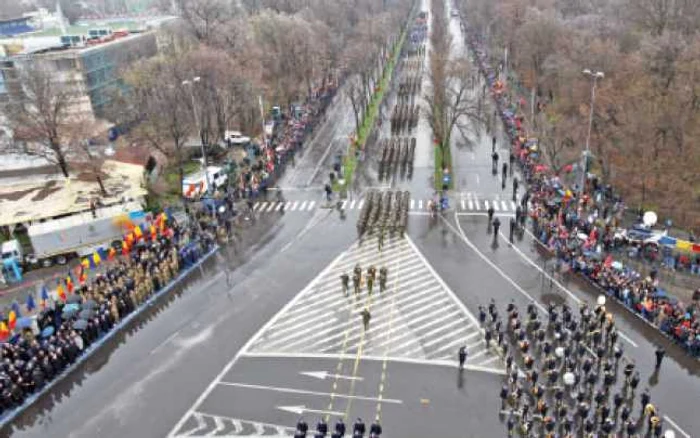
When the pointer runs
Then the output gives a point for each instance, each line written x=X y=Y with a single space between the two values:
x=4 y=331
x=12 y=320
x=61 y=292
x=69 y=284
x=82 y=275
x=96 y=258
x=154 y=233
x=85 y=263
x=111 y=253
x=137 y=232
x=162 y=219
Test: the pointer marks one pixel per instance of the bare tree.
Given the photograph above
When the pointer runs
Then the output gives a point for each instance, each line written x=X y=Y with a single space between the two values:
x=162 y=103
x=41 y=112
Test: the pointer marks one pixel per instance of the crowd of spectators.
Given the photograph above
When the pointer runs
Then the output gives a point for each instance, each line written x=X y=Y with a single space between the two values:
x=580 y=229
x=290 y=130
x=67 y=327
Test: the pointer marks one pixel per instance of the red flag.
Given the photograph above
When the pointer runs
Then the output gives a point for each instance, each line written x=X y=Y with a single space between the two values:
x=112 y=252
x=69 y=284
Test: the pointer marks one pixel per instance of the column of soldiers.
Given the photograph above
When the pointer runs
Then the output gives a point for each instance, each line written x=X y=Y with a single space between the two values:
x=370 y=278
x=566 y=375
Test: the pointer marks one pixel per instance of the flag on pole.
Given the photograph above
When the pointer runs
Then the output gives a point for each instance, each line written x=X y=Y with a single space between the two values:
x=61 y=292
x=15 y=307
x=31 y=305
x=85 y=263
x=69 y=284
x=96 y=259
x=44 y=296
x=137 y=232
x=112 y=253
x=12 y=320
x=4 y=331
x=82 y=276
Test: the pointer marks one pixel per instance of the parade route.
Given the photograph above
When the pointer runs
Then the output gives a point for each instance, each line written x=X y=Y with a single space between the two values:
x=314 y=356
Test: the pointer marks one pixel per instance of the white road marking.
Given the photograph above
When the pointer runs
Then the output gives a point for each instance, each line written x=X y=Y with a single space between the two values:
x=301 y=409
x=302 y=206
x=352 y=204
x=451 y=364
x=504 y=205
x=513 y=205
x=220 y=425
x=486 y=205
x=464 y=205
x=308 y=392
x=294 y=206
x=471 y=205
x=420 y=204
x=240 y=352
x=359 y=204
x=323 y=375
x=257 y=206
x=488 y=261
x=676 y=426
x=412 y=204
x=279 y=206
x=311 y=205
x=495 y=206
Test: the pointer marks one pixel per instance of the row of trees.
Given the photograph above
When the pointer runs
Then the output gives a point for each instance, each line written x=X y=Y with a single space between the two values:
x=281 y=52
x=451 y=105
x=647 y=110
x=214 y=66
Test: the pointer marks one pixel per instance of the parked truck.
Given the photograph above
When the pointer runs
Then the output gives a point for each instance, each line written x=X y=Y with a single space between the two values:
x=57 y=241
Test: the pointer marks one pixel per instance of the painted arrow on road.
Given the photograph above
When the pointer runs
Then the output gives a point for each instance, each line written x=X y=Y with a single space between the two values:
x=299 y=410
x=322 y=375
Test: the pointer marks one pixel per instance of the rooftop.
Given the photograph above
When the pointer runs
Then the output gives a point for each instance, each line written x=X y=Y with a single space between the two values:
x=22 y=201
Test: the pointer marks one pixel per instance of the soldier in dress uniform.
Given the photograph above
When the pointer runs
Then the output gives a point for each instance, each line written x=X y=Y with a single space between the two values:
x=383 y=273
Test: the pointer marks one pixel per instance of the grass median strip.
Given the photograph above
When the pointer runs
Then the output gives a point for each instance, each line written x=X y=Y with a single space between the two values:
x=350 y=163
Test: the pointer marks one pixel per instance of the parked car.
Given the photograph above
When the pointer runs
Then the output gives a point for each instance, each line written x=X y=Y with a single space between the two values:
x=235 y=138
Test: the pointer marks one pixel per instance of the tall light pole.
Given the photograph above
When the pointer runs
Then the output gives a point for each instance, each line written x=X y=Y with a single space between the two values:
x=594 y=80
x=190 y=84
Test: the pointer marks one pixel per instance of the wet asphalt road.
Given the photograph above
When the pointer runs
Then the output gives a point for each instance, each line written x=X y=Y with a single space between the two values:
x=180 y=368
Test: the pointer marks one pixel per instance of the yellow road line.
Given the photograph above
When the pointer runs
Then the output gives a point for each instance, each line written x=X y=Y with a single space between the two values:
x=382 y=381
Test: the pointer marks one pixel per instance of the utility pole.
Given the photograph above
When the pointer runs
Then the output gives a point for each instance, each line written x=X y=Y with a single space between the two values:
x=190 y=84
x=594 y=80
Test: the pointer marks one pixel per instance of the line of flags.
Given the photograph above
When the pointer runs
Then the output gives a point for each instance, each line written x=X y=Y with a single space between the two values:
x=66 y=285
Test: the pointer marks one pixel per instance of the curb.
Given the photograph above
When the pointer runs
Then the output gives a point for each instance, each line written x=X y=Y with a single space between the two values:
x=10 y=416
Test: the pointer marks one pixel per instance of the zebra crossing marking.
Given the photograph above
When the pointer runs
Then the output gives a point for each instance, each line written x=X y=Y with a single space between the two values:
x=417 y=204
x=419 y=319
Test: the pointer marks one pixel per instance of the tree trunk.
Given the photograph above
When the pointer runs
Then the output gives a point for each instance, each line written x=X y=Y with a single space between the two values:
x=181 y=172
x=98 y=177
x=61 y=159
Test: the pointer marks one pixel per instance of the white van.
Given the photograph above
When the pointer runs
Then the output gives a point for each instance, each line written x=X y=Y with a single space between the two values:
x=195 y=184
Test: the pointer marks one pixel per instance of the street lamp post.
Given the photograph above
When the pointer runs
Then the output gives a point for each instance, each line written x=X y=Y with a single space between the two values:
x=190 y=84
x=594 y=80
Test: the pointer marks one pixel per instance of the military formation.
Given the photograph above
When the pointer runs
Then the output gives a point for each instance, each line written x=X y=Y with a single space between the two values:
x=384 y=212
x=368 y=280
x=358 y=429
x=567 y=374
x=397 y=157
x=404 y=118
